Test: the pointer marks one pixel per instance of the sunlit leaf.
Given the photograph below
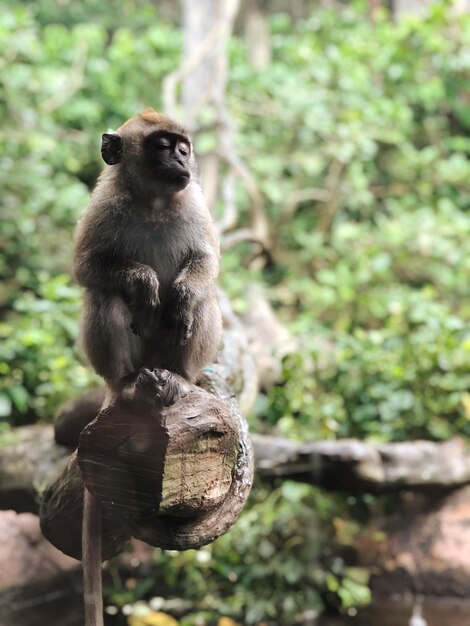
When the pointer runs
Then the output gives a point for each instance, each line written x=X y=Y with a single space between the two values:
x=157 y=618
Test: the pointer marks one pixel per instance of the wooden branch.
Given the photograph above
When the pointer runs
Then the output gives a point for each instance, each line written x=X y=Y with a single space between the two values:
x=204 y=49
x=354 y=466
x=350 y=466
x=331 y=207
x=28 y=465
x=239 y=236
x=172 y=466
x=298 y=196
x=259 y=221
x=61 y=516
x=170 y=82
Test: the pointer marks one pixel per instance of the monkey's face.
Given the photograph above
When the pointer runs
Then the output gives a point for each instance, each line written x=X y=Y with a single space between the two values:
x=167 y=158
x=160 y=158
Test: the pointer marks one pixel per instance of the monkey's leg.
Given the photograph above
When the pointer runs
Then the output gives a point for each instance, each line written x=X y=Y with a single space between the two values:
x=111 y=346
x=200 y=349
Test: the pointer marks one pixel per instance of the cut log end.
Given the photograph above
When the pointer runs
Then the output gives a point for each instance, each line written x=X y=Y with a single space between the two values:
x=176 y=476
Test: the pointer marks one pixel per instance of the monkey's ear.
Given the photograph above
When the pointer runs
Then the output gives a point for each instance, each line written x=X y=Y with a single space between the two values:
x=111 y=148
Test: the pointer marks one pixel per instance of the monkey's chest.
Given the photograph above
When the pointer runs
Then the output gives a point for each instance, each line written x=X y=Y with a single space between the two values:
x=164 y=250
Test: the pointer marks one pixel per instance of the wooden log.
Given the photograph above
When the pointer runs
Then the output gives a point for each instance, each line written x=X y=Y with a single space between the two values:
x=357 y=467
x=171 y=464
x=171 y=533
x=172 y=460
x=28 y=465
x=33 y=460
x=61 y=515
x=74 y=415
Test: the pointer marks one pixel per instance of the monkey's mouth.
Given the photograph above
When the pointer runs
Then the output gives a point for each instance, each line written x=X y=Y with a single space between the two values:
x=179 y=179
x=174 y=178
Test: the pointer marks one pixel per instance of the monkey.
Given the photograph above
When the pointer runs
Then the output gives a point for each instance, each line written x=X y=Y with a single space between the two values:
x=147 y=254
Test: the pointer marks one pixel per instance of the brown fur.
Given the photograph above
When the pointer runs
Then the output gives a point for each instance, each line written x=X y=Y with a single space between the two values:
x=147 y=254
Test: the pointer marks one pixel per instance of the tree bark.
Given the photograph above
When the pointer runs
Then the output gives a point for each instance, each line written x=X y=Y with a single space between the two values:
x=257 y=35
x=34 y=460
x=353 y=466
x=173 y=469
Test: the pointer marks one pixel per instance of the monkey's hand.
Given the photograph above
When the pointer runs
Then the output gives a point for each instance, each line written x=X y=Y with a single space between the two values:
x=143 y=295
x=178 y=314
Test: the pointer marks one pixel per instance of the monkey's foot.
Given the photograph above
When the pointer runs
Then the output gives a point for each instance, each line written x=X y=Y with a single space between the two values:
x=148 y=386
x=157 y=385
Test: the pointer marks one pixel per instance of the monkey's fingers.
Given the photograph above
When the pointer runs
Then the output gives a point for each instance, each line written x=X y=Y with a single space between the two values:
x=148 y=386
x=173 y=387
x=186 y=332
x=161 y=376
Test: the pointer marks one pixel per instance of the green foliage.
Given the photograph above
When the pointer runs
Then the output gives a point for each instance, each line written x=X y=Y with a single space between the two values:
x=369 y=113
x=372 y=257
x=266 y=568
x=38 y=361
x=394 y=360
x=358 y=137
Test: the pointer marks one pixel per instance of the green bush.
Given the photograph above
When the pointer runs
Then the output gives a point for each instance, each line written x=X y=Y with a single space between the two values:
x=38 y=359
x=266 y=568
x=366 y=118
x=392 y=311
x=369 y=261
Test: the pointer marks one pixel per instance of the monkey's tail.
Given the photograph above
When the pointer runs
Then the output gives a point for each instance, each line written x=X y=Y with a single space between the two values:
x=91 y=560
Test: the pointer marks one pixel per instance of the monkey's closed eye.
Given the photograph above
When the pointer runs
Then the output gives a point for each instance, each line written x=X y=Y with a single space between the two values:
x=183 y=149
x=161 y=143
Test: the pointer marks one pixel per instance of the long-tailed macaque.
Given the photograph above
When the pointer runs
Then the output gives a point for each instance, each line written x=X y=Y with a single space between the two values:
x=147 y=255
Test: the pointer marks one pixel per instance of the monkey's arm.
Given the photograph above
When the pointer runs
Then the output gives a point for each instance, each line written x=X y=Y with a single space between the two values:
x=101 y=258
x=136 y=282
x=196 y=276
x=199 y=271
x=105 y=271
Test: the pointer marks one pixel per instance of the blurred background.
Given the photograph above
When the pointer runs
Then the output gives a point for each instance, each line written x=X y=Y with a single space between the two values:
x=333 y=140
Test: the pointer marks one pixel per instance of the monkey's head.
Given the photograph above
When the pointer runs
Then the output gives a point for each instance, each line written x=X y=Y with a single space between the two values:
x=153 y=149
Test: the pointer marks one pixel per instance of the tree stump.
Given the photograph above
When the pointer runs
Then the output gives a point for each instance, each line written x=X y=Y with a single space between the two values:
x=172 y=465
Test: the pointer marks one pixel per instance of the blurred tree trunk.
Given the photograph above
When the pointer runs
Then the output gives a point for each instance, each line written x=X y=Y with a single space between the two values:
x=420 y=7
x=203 y=74
x=207 y=26
x=257 y=34
x=374 y=5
